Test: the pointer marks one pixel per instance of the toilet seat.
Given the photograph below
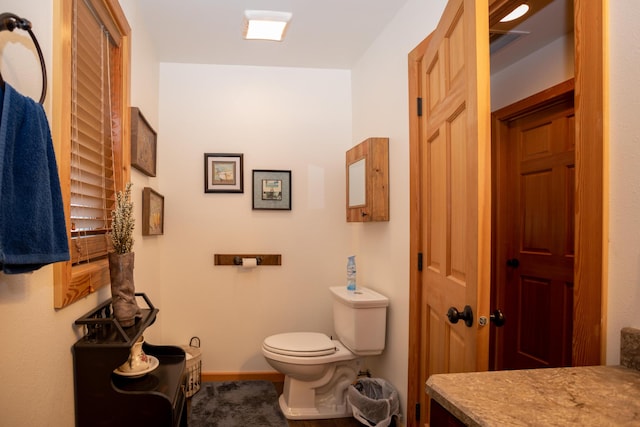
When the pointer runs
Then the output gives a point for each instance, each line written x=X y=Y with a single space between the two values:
x=300 y=344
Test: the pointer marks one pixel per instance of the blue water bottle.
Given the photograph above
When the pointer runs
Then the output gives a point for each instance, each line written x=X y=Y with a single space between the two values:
x=351 y=273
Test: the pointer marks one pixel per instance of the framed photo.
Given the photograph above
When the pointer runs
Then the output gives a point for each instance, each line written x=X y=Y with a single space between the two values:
x=143 y=144
x=152 y=212
x=271 y=189
x=223 y=173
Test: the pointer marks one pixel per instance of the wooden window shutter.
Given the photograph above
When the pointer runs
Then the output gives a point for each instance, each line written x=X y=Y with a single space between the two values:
x=91 y=91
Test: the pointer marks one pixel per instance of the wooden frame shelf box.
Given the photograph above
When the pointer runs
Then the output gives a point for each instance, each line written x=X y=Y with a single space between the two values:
x=367 y=170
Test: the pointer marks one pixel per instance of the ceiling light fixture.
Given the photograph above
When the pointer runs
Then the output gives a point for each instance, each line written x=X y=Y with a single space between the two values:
x=516 y=13
x=265 y=24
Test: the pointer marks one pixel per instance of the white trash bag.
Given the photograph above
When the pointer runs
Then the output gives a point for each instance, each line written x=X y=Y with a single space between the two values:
x=374 y=401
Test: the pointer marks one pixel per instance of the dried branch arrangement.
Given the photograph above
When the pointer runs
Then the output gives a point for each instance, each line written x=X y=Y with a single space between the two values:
x=122 y=222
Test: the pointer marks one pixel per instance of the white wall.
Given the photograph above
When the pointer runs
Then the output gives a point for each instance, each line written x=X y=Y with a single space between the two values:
x=37 y=365
x=36 y=339
x=281 y=119
x=381 y=109
x=145 y=76
x=624 y=204
x=198 y=298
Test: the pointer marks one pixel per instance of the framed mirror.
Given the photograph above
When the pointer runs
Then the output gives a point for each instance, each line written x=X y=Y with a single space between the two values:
x=367 y=170
x=357 y=183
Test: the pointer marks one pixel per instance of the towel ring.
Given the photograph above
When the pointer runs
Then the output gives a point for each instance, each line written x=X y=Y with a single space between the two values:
x=10 y=21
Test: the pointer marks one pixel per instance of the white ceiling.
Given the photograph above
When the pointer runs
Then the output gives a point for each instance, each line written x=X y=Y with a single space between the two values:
x=322 y=33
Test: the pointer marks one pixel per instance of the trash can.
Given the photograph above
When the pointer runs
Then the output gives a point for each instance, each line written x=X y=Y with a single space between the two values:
x=193 y=367
x=374 y=401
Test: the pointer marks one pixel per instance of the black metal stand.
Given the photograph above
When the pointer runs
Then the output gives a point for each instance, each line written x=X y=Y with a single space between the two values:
x=104 y=398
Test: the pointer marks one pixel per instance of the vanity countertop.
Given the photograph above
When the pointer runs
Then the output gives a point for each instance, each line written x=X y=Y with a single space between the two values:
x=581 y=396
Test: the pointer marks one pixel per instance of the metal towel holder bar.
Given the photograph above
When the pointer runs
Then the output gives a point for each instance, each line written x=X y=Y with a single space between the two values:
x=11 y=21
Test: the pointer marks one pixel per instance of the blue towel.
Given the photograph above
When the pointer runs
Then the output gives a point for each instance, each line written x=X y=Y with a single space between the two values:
x=32 y=223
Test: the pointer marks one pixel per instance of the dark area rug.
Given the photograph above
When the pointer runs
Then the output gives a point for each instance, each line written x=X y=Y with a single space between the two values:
x=236 y=403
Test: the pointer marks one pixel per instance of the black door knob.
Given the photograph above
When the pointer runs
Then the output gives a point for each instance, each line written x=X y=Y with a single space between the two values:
x=513 y=262
x=497 y=318
x=467 y=315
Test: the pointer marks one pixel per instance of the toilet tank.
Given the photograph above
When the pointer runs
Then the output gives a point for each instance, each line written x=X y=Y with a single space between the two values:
x=360 y=319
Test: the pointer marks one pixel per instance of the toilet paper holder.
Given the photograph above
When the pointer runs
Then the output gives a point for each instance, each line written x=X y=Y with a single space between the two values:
x=236 y=259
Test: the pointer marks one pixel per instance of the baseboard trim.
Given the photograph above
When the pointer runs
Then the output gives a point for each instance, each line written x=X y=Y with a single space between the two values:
x=243 y=376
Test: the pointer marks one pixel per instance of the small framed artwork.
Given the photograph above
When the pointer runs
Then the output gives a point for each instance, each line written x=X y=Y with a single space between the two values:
x=271 y=189
x=152 y=212
x=223 y=173
x=143 y=144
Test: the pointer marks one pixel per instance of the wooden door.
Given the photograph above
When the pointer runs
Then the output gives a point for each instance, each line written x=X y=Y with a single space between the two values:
x=455 y=150
x=534 y=224
x=590 y=196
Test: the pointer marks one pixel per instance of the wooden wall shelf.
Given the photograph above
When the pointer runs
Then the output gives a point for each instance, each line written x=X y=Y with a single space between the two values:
x=236 y=259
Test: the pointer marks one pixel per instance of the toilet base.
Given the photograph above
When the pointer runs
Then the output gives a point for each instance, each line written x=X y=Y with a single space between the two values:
x=340 y=411
x=321 y=399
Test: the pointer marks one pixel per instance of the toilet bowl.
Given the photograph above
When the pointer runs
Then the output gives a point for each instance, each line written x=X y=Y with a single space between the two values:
x=307 y=358
x=318 y=369
x=315 y=385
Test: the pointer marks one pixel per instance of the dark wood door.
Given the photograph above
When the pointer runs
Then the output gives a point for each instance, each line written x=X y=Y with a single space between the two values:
x=535 y=261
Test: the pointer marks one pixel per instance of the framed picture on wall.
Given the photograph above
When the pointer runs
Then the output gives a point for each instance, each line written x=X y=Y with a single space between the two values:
x=152 y=212
x=272 y=189
x=223 y=173
x=143 y=144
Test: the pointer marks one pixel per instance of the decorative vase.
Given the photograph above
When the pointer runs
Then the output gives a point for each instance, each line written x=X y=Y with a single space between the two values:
x=138 y=360
x=123 y=298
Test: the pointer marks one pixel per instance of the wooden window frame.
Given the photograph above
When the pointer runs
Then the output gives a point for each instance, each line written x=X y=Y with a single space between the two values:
x=72 y=283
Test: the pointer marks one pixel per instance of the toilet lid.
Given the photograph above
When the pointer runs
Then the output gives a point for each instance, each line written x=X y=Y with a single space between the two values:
x=300 y=344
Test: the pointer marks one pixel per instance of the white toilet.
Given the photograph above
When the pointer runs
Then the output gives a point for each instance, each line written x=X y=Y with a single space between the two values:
x=318 y=370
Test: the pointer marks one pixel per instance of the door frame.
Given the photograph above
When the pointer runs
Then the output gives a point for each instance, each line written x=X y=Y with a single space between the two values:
x=591 y=196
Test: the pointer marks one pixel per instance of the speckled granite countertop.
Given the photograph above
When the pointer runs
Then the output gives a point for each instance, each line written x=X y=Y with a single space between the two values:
x=582 y=396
